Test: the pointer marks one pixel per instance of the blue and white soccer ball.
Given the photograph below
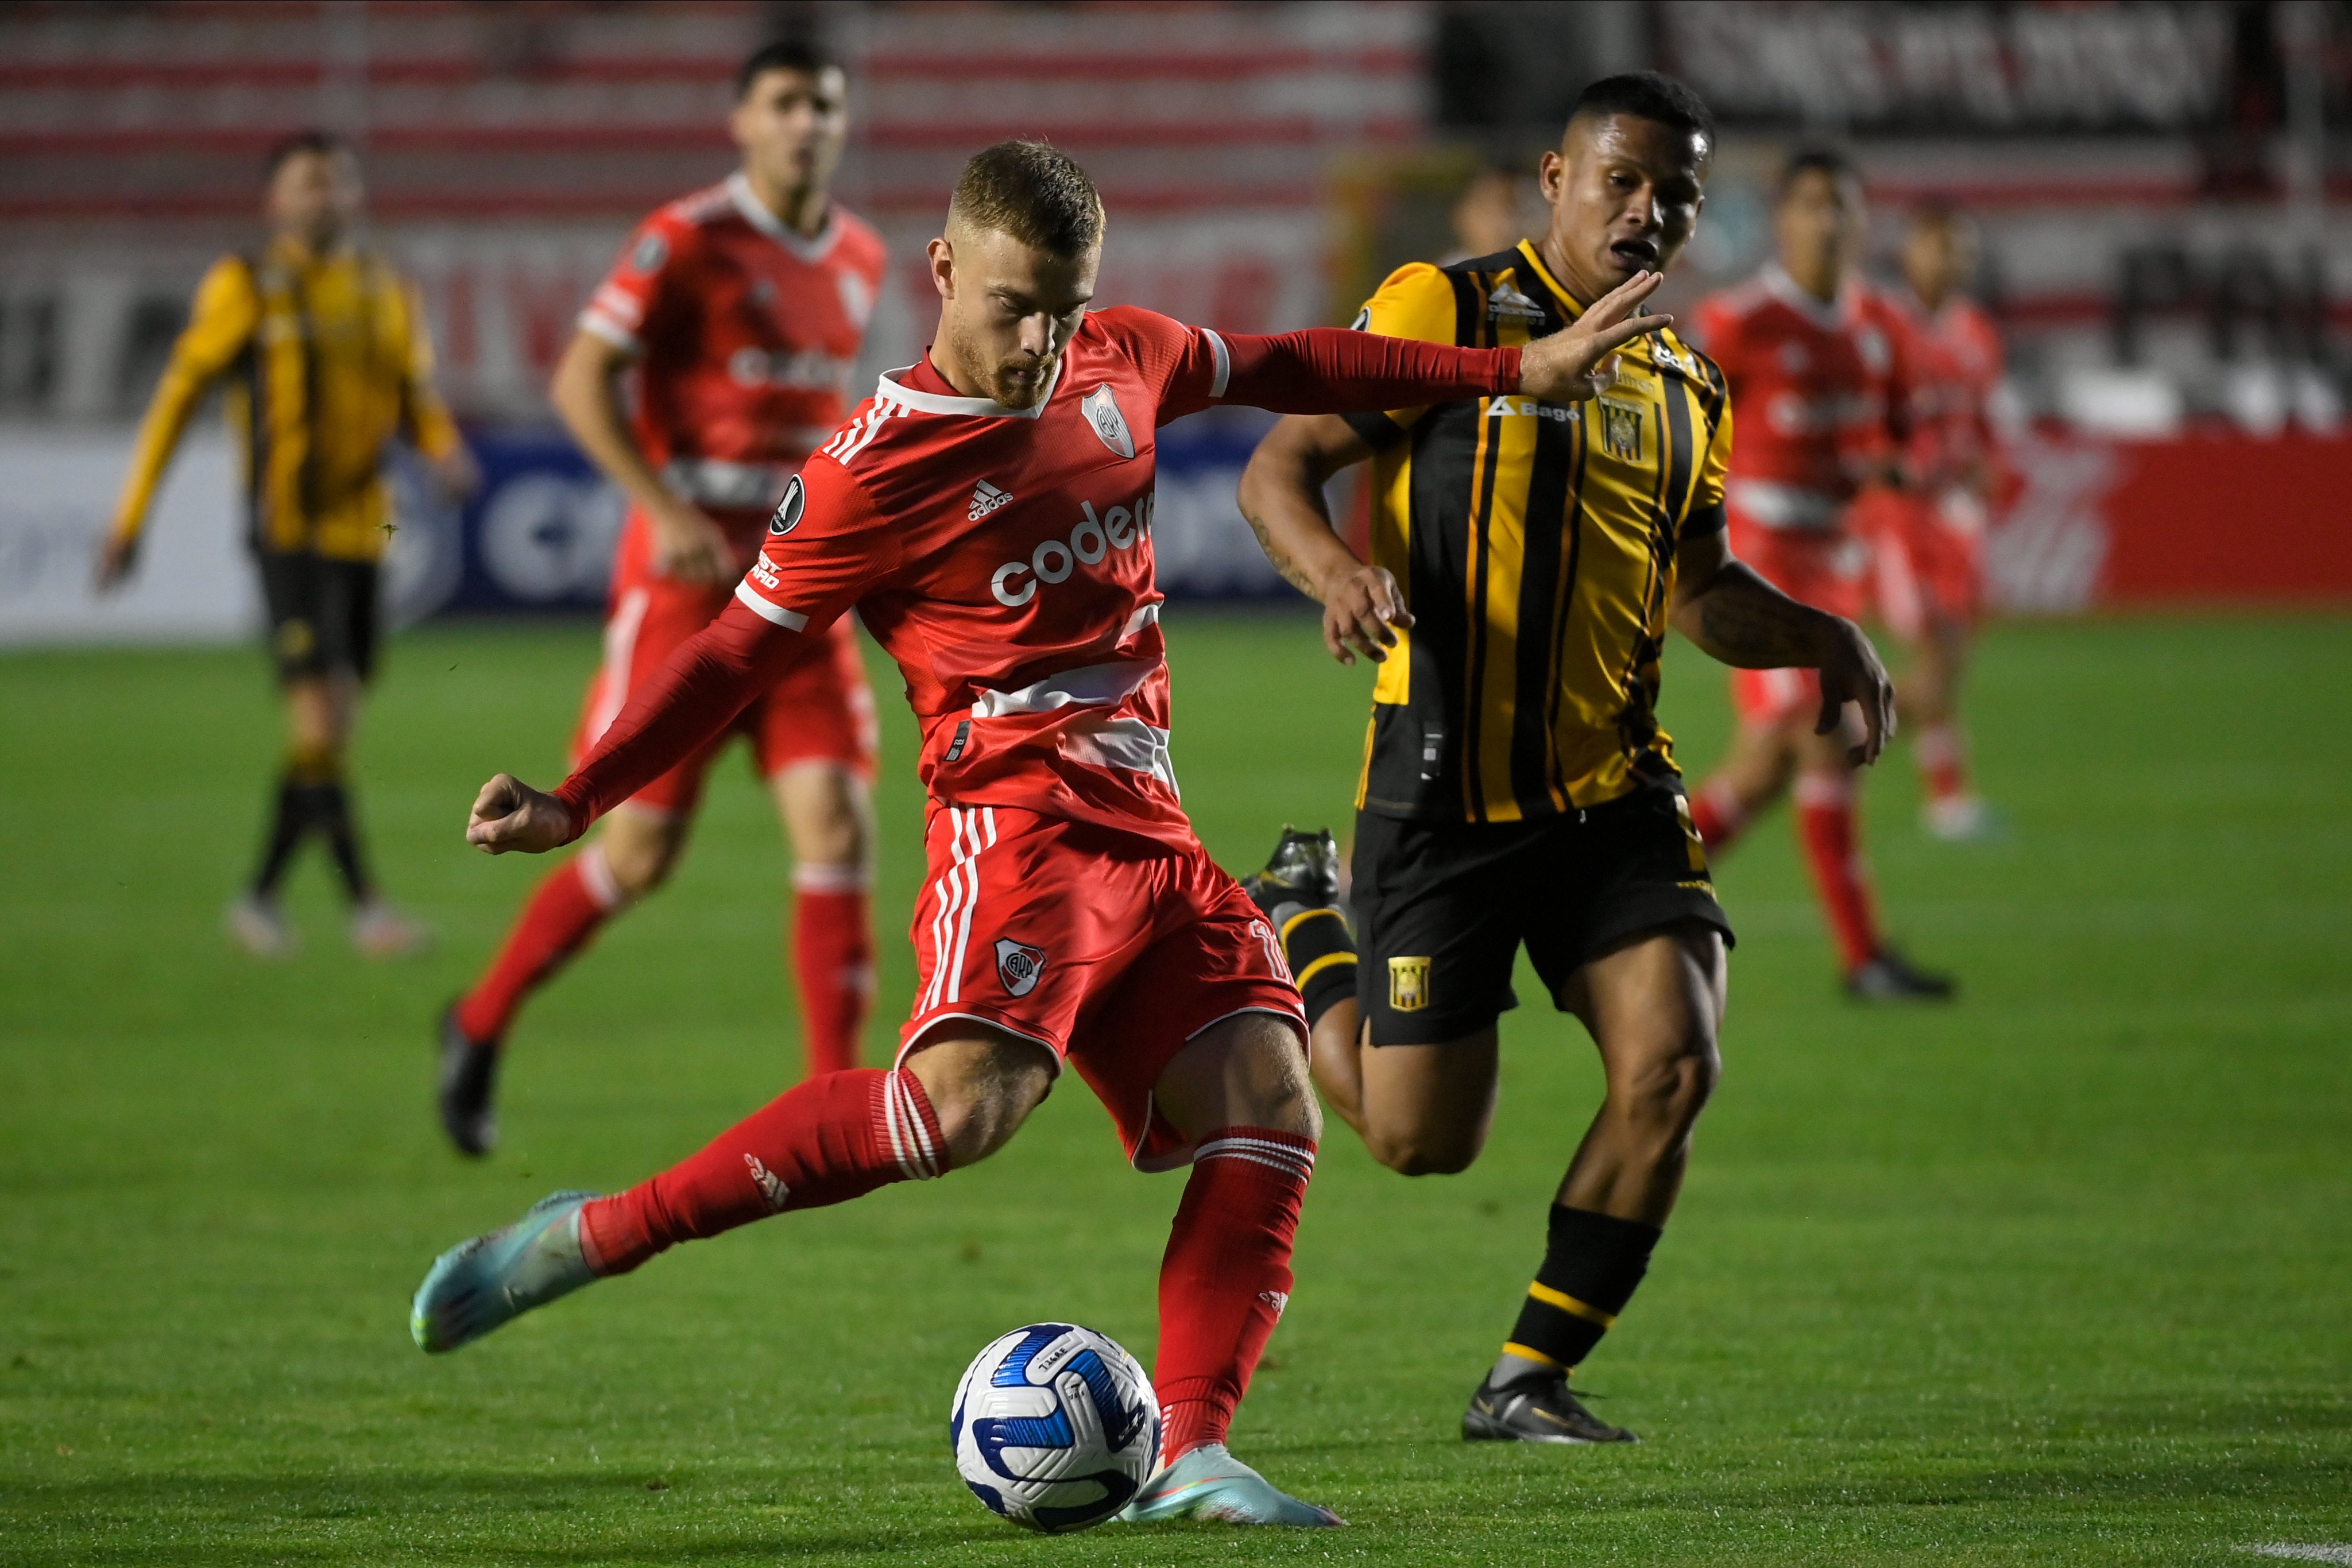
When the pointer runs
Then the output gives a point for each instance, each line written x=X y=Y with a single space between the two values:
x=1056 y=1426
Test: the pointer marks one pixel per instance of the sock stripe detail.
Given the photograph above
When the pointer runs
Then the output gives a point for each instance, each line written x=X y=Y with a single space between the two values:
x=596 y=876
x=1570 y=1305
x=1529 y=1353
x=1304 y=915
x=902 y=1123
x=1325 y=962
x=1295 y=1158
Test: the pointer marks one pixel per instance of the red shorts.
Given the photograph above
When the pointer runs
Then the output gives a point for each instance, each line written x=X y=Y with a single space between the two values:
x=1822 y=568
x=1112 y=948
x=819 y=710
x=1928 y=552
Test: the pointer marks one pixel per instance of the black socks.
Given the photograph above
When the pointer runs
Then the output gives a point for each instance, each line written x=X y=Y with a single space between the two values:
x=1321 y=952
x=308 y=802
x=1589 y=1273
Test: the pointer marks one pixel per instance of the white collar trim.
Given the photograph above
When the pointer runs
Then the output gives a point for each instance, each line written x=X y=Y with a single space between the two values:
x=1783 y=287
x=891 y=389
x=755 y=212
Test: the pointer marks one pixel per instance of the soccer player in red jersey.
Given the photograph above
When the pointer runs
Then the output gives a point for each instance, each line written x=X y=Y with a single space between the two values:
x=989 y=512
x=1927 y=539
x=1814 y=361
x=741 y=309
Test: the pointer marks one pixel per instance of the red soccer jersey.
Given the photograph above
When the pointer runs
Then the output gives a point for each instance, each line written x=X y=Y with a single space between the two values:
x=746 y=332
x=1004 y=557
x=1814 y=387
x=1954 y=358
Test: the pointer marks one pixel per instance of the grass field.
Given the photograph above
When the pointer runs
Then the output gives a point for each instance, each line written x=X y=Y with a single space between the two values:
x=2060 y=1275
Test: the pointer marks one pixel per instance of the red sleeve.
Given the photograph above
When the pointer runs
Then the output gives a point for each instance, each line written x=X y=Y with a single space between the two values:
x=1322 y=370
x=647 y=272
x=697 y=694
x=824 y=547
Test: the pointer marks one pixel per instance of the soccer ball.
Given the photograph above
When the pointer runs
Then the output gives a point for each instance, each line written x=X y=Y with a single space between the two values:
x=1055 y=1426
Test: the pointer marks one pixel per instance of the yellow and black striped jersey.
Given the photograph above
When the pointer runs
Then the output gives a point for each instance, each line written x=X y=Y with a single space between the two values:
x=1534 y=545
x=327 y=359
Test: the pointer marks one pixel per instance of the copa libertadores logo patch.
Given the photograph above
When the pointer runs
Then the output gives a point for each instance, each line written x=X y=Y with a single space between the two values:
x=1102 y=411
x=789 y=509
x=1018 y=965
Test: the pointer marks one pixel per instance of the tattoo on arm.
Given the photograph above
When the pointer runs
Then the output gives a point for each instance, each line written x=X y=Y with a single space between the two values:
x=1745 y=620
x=1289 y=570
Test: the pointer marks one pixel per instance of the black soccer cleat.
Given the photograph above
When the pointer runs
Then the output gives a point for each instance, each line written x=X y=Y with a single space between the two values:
x=1304 y=870
x=469 y=1078
x=1535 y=1410
x=1889 y=976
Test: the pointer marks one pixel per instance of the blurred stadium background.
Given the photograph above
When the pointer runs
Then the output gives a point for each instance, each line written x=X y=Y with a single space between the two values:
x=2159 y=190
x=2055 y=1275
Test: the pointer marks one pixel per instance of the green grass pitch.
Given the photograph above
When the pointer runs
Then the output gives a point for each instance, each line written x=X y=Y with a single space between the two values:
x=2062 y=1274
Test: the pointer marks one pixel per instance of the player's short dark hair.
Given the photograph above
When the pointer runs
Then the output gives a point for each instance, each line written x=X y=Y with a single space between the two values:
x=323 y=142
x=1828 y=161
x=1648 y=95
x=1033 y=191
x=796 y=53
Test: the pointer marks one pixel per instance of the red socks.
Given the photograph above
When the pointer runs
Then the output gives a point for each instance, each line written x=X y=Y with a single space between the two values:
x=560 y=919
x=1718 y=815
x=831 y=1139
x=1943 y=759
x=1225 y=1278
x=1826 y=829
x=832 y=958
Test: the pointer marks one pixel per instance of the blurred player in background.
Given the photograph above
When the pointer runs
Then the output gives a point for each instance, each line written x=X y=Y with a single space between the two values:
x=1814 y=361
x=1517 y=788
x=327 y=360
x=742 y=308
x=990 y=511
x=1490 y=214
x=1928 y=539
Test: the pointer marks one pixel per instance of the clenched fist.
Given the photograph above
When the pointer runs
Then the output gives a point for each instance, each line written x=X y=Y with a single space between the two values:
x=508 y=814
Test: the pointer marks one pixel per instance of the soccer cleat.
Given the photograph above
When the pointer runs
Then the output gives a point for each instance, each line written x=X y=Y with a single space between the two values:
x=257 y=927
x=1209 y=1484
x=1535 y=1410
x=1890 y=978
x=1961 y=820
x=479 y=1285
x=469 y=1075
x=380 y=931
x=1303 y=871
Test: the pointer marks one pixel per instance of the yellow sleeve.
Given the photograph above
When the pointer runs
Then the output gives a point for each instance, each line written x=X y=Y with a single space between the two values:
x=220 y=324
x=1715 y=464
x=1416 y=302
x=424 y=418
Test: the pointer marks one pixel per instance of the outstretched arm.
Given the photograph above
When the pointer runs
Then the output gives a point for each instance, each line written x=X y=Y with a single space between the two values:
x=697 y=694
x=1734 y=615
x=1282 y=497
x=1326 y=370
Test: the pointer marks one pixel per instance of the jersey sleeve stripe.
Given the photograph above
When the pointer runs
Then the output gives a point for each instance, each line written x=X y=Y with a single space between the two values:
x=789 y=619
x=1224 y=360
x=594 y=321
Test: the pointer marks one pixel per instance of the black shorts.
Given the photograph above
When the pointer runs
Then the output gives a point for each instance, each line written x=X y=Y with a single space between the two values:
x=1441 y=907
x=322 y=614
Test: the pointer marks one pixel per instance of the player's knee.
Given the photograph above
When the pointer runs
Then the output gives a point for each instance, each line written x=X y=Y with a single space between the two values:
x=981 y=1090
x=641 y=861
x=1420 y=1151
x=1673 y=1082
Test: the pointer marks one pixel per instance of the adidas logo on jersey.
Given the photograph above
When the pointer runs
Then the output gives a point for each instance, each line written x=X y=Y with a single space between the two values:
x=985 y=498
x=1509 y=301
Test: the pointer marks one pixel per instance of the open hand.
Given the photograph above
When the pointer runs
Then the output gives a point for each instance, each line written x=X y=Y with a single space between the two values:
x=508 y=814
x=1580 y=361
x=1851 y=674
x=1361 y=611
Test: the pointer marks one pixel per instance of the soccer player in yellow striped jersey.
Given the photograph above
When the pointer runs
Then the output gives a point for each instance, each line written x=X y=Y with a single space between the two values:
x=327 y=361
x=1517 y=787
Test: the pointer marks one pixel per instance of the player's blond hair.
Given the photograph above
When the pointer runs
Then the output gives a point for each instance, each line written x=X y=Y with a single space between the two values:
x=1034 y=191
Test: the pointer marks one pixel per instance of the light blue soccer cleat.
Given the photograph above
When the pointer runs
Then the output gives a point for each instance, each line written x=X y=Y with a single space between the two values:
x=478 y=1285
x=1209 y=1484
